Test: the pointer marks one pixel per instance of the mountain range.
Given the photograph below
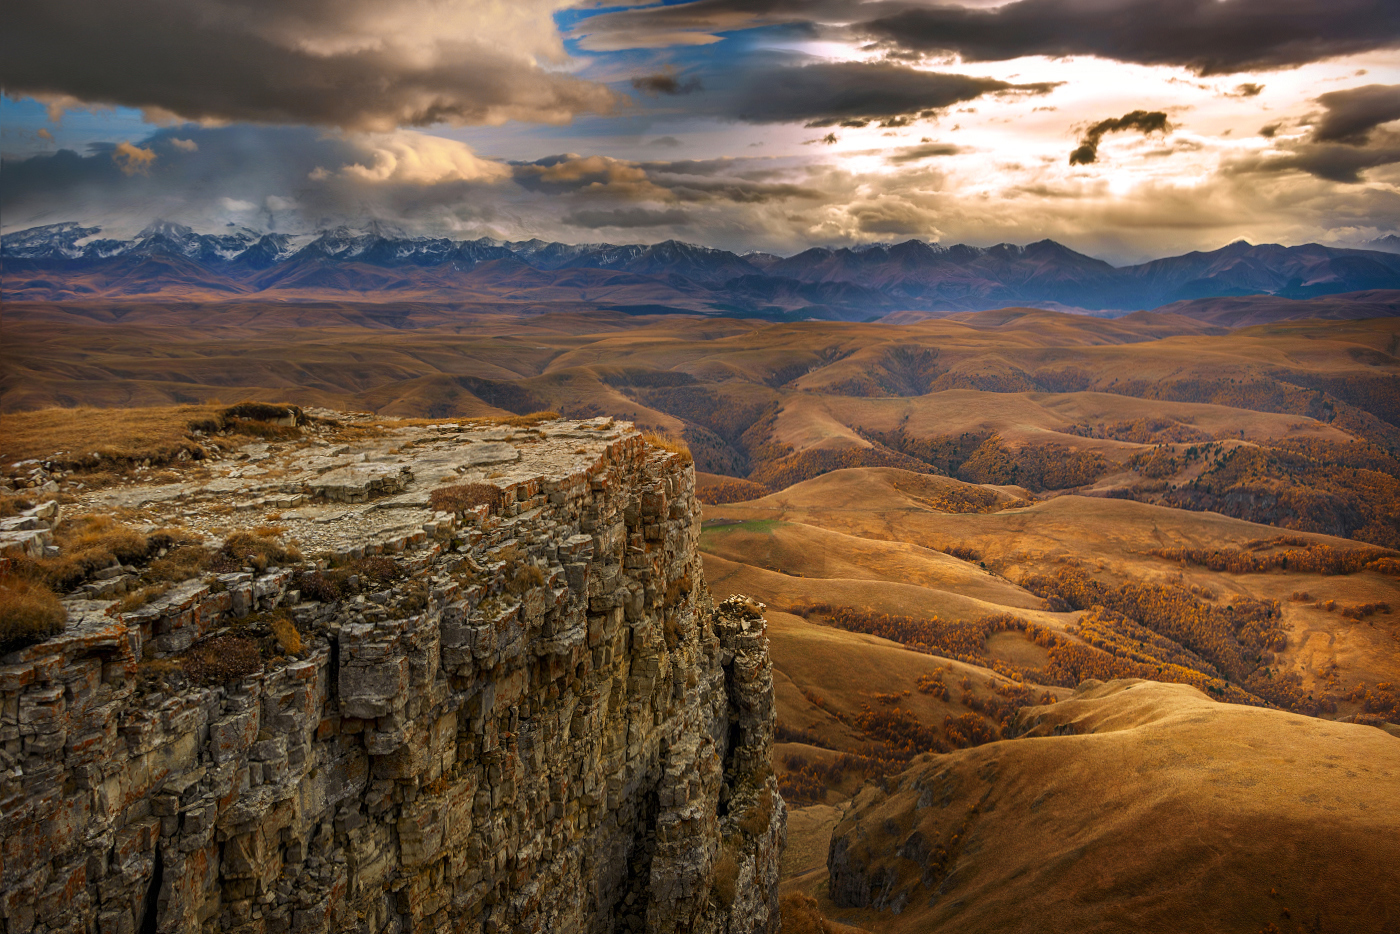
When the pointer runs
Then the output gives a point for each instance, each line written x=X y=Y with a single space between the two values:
x=68 y=261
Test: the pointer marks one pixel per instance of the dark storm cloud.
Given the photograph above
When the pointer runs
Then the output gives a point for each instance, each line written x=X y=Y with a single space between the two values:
x=1335 y=162
x=1352 y=114
x=627 y=217
x=827 y=93
x=1142 y=121
x=665 y=83
x=354 y=64
x=1207 y=36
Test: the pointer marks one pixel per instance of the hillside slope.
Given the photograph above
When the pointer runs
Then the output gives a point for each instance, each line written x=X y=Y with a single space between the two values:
x=1134 y=806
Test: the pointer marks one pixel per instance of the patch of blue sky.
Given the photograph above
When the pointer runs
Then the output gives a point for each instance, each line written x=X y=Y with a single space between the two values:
x=22 y=119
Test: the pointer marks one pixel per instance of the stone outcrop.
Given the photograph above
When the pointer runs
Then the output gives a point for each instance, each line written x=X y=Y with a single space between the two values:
x=542 y=724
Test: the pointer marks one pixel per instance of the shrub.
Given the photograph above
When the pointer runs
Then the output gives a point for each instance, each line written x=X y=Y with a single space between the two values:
x=29 y=613
x=316 y=586
x=755 y=822
x=525 y=577
x=717 y=492
x=222 y=659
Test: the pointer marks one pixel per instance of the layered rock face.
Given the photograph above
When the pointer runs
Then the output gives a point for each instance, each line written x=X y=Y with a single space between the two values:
x=543 y=725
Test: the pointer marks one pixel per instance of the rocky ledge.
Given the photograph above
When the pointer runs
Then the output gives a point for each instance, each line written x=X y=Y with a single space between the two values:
x=530 y=717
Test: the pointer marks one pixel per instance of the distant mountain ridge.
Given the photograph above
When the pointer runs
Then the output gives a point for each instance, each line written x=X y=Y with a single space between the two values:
x=67 y=261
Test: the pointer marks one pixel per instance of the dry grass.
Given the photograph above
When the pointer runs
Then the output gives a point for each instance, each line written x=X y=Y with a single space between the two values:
x=13 y=505
x=139 y=598
x=801 y=916
x=87 y=544
x=183 y=560
x=29 y=613
x=285 y=632
x=88 y=438
x=666 y=443
x=258 y=549
x=726 y=885
x=116 y=434
x=465 y=496
x=755 y=822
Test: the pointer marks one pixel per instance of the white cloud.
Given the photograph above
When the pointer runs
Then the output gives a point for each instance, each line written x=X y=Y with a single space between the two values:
x=185 y=145
x=233 y=204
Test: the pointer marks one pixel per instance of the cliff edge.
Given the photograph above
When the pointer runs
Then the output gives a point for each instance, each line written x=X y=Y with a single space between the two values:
x=516 y=711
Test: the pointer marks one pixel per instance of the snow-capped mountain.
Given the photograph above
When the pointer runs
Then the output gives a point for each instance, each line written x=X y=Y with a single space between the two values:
x=67 y=260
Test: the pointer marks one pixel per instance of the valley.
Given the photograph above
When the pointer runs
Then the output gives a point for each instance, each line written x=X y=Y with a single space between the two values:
x=959 y=525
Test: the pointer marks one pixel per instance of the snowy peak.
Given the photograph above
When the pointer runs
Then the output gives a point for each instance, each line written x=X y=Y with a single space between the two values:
x=861 y=280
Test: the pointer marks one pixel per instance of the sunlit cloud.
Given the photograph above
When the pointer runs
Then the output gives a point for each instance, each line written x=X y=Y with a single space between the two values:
x=133 y=159
x=420 y=159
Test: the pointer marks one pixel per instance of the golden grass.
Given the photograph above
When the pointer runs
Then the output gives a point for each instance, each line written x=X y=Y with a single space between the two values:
x=29 y=613
x=801 y=916
x=285 y=632
x=116 y=434
x=258 y=549
x=666 y=443
x=85 y=437
x=87 y=544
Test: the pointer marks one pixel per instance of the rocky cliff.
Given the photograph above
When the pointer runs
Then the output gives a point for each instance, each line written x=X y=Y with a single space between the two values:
x=526 y=716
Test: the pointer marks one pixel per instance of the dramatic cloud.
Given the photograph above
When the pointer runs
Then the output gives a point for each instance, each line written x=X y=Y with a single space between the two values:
x=1352 y=114
x=627 y=218
x=184 y=145
x=1143 y=121
x=589 y=175
x=855 y=93
x=419 y=159
x=359 y=64
x=1208 y=36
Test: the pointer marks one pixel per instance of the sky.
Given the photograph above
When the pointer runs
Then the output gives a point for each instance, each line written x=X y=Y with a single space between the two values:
x=1127 y=129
